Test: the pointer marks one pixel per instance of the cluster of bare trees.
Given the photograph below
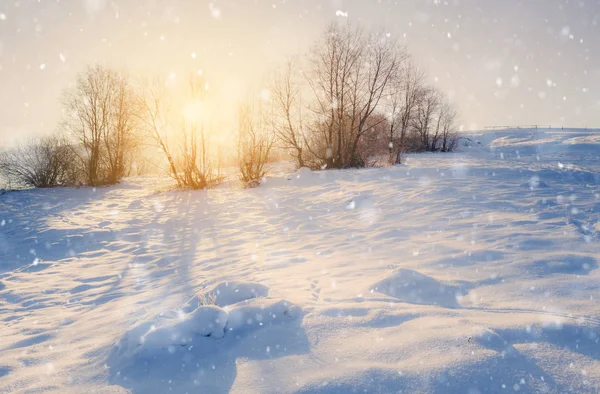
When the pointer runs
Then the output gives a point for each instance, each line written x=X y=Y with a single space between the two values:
x=106 y=125
x=95 y=143
x=433 y=123
x=101 y=120
x=357 y=98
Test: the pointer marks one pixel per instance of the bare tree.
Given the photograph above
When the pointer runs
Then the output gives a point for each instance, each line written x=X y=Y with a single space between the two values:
x=119 y=138
x=184 y=142
x=438 y=118
x=374 y=81
x=254 y=144
x=154 y=118
x=350 y=74
x=44 y=162
x=196 y=160
x=332 y=64
x=88 y=111
x=373 y=145
x=406 y=91
x=449 y=136
x=286 y=116
x=422 y=121
x=100 y=117
x=196 y=167
x=445 y=130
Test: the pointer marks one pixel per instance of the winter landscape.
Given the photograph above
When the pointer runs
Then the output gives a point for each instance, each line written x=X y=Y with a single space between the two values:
x=467 y=272
x=299 y=196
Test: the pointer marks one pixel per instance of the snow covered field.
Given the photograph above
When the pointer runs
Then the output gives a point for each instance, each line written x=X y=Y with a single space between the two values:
x=471 y=272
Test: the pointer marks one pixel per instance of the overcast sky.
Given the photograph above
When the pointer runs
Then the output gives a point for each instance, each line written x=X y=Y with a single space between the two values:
x=503 y=62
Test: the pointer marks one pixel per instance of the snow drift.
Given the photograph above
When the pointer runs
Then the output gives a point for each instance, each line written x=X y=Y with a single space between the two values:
x=199 y=336
x=452 y=273
x=415 y=288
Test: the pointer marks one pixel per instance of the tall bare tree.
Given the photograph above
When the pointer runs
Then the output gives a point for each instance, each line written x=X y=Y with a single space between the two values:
x=286 y=114
x=120 y=137
x=334 y=61
x=351 y=73
x=100 y=117
x=88 y=109
x=438 y=118
x=406 y=91
x=154 y=118
x=374 y=81
x=424 y=118
x=449 y=137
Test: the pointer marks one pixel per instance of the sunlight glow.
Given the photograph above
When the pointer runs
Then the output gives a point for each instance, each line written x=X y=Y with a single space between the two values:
x=194 y=112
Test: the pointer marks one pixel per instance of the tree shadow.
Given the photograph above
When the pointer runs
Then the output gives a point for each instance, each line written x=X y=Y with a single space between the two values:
x=578 y=339
x=567 y=264
x=493 y=374
x=24 y=225
x=31 y=341
x=4 y=371
x=496 y=374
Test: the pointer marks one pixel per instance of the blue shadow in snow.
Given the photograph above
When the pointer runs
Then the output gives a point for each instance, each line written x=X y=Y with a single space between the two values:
x=208 y=365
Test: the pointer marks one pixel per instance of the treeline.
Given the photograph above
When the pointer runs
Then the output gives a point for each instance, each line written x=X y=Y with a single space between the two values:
x=355 y=100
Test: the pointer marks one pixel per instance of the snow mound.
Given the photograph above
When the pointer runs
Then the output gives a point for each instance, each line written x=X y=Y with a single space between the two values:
x=166 y=331
x=535 y=183
x=195 y=320
x=416 y=288
x=135 y=204
x=229 y=293
x=259 y=313
x=207 y=336
x=492 y=340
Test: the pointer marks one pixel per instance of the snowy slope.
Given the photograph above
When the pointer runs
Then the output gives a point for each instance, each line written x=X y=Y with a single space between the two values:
x=471 y=272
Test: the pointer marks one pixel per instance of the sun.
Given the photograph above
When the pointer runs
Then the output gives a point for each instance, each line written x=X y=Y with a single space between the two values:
x=194 y=112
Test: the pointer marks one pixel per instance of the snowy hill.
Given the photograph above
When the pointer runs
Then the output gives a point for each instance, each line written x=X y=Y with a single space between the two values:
x=470 y=272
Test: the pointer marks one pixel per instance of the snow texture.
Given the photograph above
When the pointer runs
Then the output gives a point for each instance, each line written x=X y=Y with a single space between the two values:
x=467 y=272
x=415 y=288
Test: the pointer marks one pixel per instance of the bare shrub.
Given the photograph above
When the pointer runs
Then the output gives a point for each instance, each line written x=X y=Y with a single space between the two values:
x=44 y=162
x=195 y=164
x=254 y=144
x=183 y=142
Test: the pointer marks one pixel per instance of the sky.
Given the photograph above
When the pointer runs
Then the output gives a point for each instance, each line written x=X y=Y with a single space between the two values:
x=503 y=63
